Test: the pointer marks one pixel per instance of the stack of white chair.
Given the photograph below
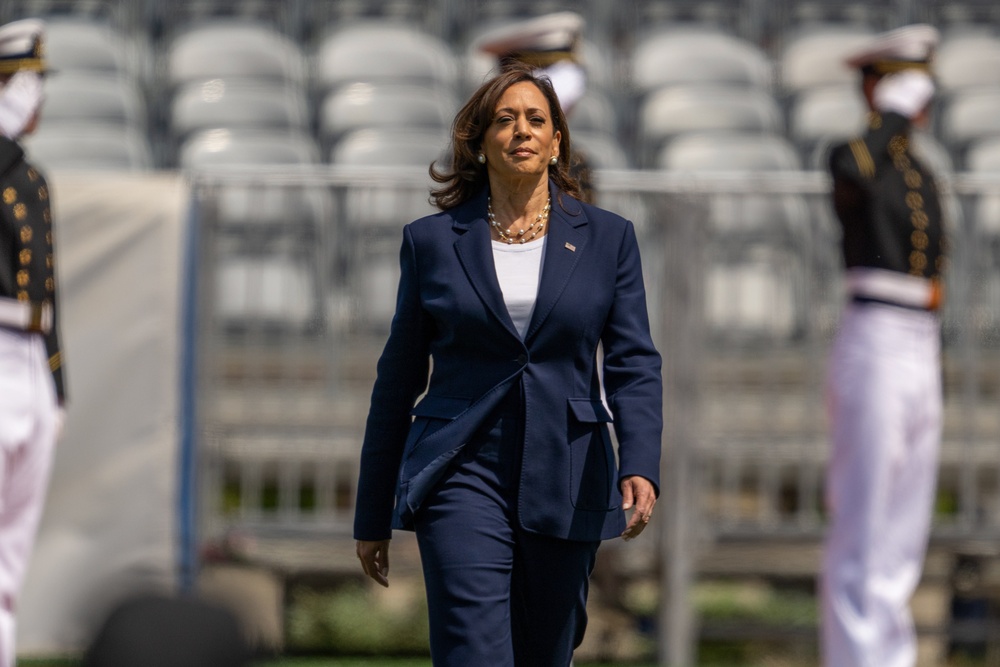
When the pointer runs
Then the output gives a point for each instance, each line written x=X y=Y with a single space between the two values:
x=235 y=97
x=821 y=94
x=380 y=76
x=706 y=104
x=697 y=81
x=968 y=69
x=233 y=89
x=386 y=93
x=95 y=114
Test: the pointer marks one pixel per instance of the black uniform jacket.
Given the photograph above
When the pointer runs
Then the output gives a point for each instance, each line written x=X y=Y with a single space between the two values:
x=887 y=202
x=27 y=260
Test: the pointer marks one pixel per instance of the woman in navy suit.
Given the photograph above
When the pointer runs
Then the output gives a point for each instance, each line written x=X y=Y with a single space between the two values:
x=505 y=468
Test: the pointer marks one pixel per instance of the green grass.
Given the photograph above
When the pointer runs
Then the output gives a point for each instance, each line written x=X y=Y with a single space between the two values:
x=314 y=662
x=391 y=662
x=347 y=662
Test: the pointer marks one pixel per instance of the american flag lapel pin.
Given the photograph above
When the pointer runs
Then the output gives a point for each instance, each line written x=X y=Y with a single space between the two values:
x=571 y=247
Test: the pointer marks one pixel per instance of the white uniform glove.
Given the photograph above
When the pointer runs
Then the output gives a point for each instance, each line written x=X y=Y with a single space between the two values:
x=569 y=81
x=60 y=421
x=907 y=92
x=20 y=99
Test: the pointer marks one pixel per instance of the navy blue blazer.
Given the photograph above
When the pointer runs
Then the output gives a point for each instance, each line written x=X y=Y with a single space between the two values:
x=450 y=309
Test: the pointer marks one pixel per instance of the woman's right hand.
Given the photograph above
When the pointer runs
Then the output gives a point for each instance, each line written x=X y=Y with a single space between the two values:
x=374 y=557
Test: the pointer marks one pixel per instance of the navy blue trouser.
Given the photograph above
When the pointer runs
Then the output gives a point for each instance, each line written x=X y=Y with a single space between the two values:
x=498 y=596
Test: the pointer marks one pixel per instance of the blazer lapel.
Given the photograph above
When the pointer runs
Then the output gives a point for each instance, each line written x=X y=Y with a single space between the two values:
x=565 y=247
x=475 y=252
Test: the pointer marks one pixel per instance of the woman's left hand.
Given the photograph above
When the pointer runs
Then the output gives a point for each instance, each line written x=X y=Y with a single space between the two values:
x=374 y=557
x=637 y=492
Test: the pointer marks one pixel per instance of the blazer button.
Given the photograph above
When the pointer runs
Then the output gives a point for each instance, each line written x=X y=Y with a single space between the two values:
x=522 y=359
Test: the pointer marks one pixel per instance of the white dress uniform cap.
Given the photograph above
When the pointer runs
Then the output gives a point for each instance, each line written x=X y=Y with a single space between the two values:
x=539 y=41
x=22 y=46
x=911 y=46
x=550 y=44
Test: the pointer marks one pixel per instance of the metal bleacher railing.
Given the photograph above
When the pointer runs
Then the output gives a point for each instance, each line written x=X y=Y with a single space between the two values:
x=296 y=281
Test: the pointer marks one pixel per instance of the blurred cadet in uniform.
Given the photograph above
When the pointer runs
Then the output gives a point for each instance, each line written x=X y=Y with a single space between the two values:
x=31 y=380
x=884 y=373
x=551 y=44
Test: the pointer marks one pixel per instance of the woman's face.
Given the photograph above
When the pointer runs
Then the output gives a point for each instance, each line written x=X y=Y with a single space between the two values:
x=521 y=139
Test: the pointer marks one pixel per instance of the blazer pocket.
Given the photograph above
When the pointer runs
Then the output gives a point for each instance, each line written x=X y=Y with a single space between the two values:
x=429 y=415
x=592 y=458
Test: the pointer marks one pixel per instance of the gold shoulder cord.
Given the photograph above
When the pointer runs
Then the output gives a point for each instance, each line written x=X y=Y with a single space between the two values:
x=866 y=165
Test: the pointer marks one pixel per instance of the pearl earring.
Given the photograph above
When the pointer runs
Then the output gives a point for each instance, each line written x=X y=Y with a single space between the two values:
x=554 y=161
x=481 y=159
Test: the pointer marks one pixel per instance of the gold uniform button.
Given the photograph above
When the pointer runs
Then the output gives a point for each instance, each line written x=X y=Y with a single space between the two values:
x=20 y=211
x=26 y=234
x=919 y=219
x=918 y=260
x=50 y=284
x=48 y=261
x=43 y=193
x=914 y=200
x=919 y=240
x=25 y=257
x=22 y=295
x=22 y=278
x=32 y=174
x=47 y=216
x=912 y=178
x=9 y=196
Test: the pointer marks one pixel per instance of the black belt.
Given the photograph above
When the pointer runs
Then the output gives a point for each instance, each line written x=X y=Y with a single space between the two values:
x=886 y=302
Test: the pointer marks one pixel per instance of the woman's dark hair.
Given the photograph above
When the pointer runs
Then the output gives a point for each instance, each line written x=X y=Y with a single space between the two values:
x=466 y=177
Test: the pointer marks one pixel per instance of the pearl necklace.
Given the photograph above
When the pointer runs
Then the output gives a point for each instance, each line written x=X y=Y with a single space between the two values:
x=522 y=236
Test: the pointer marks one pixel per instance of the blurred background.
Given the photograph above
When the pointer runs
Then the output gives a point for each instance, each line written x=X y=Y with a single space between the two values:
x=230 y=179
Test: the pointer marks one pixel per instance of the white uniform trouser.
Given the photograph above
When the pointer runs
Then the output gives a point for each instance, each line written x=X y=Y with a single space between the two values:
x=884 y=391
x=28 y=426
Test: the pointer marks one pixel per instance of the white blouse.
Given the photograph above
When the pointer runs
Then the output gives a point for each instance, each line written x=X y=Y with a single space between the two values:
x=519 y=266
